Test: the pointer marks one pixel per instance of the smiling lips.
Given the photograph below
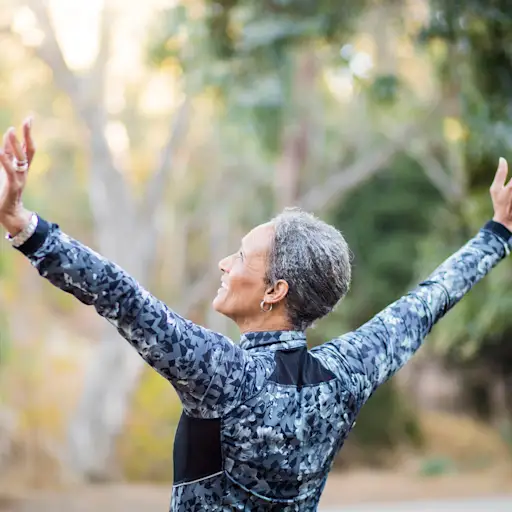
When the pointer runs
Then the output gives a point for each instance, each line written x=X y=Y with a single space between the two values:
x=223 y=287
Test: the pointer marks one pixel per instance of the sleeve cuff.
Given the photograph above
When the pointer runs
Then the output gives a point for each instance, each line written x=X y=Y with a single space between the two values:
x=500 y=230
x=37 y=239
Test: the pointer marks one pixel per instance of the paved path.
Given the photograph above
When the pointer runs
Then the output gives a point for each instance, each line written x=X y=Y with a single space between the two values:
x=379 y=491
x=501 y=504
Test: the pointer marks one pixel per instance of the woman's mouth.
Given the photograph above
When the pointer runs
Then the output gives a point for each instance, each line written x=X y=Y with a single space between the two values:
x=223 y=287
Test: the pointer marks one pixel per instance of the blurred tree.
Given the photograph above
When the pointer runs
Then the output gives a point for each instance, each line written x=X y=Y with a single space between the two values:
x=265 y=63
x=120 y=217
x=471 y=45
x=384 y=227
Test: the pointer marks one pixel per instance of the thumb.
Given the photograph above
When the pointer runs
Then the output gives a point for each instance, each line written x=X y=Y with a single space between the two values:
x=501 y=174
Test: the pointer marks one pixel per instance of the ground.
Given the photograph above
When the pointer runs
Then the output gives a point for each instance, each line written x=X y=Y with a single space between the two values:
x=343 y=490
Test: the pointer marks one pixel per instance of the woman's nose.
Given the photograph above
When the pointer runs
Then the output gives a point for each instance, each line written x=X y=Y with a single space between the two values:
x=224 y=264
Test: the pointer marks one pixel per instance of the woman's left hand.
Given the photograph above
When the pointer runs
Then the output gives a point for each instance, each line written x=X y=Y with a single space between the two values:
x=15 y=159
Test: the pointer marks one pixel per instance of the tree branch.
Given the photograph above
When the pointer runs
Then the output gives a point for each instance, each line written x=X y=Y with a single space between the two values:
x=86 y=94
x=97 y=75
x=156 y=187
x=323 y=195
x=447 y=185
x=50 y=52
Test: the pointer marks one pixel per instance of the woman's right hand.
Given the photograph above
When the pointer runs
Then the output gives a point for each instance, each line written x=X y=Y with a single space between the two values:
x=13 y=216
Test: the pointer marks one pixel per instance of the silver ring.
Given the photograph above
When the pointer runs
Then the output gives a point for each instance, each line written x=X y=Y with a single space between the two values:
x=20 y=165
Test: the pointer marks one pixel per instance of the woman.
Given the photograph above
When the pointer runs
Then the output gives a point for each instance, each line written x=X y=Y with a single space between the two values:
x=263 y=419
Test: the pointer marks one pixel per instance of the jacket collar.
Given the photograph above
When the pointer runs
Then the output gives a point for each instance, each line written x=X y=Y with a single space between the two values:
x=273 y=340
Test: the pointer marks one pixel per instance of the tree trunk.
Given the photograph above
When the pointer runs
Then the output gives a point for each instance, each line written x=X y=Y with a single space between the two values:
x=500 y=401
x=115 y=367
x=7 y=431
x=126 y=233
x=111 y=379
x=296 y=136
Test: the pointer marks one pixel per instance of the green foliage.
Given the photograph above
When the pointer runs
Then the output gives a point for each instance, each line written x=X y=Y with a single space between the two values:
x=242 y=27
x=385 y=422
x=437 y=466
x=384 y=89
x=478 y=63
x=246 y=52
x=145 y=448
x=477 y=66
x=383 y=225
x=506 y=434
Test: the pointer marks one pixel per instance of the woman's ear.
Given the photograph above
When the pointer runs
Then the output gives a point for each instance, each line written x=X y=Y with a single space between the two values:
x=277 y=292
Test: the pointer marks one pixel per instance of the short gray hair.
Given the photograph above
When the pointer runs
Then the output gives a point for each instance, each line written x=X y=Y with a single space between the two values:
x=314 y=259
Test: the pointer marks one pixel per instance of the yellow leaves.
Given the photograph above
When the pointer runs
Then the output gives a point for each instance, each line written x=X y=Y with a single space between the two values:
x=461 y=439
x=61 y=107
x=9 y=284
x=61 y=302
x=64 y=365
x=438 y=49
x=171 y=66
x=41 y=166
x=365 y=43
x=145 y=448
x=40 y=391
x=453 y=129
x=44 y=417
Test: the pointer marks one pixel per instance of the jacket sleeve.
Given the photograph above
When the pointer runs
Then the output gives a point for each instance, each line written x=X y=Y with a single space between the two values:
x=207 y=369
x=366 y=358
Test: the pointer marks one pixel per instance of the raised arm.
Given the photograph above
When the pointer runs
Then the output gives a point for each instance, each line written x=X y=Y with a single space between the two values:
x=206 y=368
x=366 y=358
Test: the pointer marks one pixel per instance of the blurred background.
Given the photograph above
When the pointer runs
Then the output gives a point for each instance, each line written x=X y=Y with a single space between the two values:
x=168 y=129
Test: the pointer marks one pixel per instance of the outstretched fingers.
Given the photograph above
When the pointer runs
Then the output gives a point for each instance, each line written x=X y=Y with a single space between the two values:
x=501 y=175
x=18 y=151
x=28 y=142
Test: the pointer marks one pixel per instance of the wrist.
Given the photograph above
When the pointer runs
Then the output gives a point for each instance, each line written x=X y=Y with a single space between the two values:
x=16 y=223
x=501 y=228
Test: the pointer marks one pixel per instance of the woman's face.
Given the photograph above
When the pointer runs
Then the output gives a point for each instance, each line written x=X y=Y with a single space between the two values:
x=243 y=279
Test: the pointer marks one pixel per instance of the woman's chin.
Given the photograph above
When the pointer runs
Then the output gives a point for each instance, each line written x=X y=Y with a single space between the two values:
x=218 y=301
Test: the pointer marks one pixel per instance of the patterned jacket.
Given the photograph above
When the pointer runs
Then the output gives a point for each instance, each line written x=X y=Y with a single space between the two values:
x=263 y=419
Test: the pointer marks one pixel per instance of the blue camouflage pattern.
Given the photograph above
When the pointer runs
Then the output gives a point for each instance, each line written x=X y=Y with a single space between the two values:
x=278 y=441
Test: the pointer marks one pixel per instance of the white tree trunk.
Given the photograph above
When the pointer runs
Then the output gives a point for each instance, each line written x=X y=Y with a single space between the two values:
x=7 y=429
x=115 y=367
x=111 y=379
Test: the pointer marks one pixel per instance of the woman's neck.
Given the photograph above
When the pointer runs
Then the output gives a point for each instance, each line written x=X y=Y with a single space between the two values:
x=265 y=323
